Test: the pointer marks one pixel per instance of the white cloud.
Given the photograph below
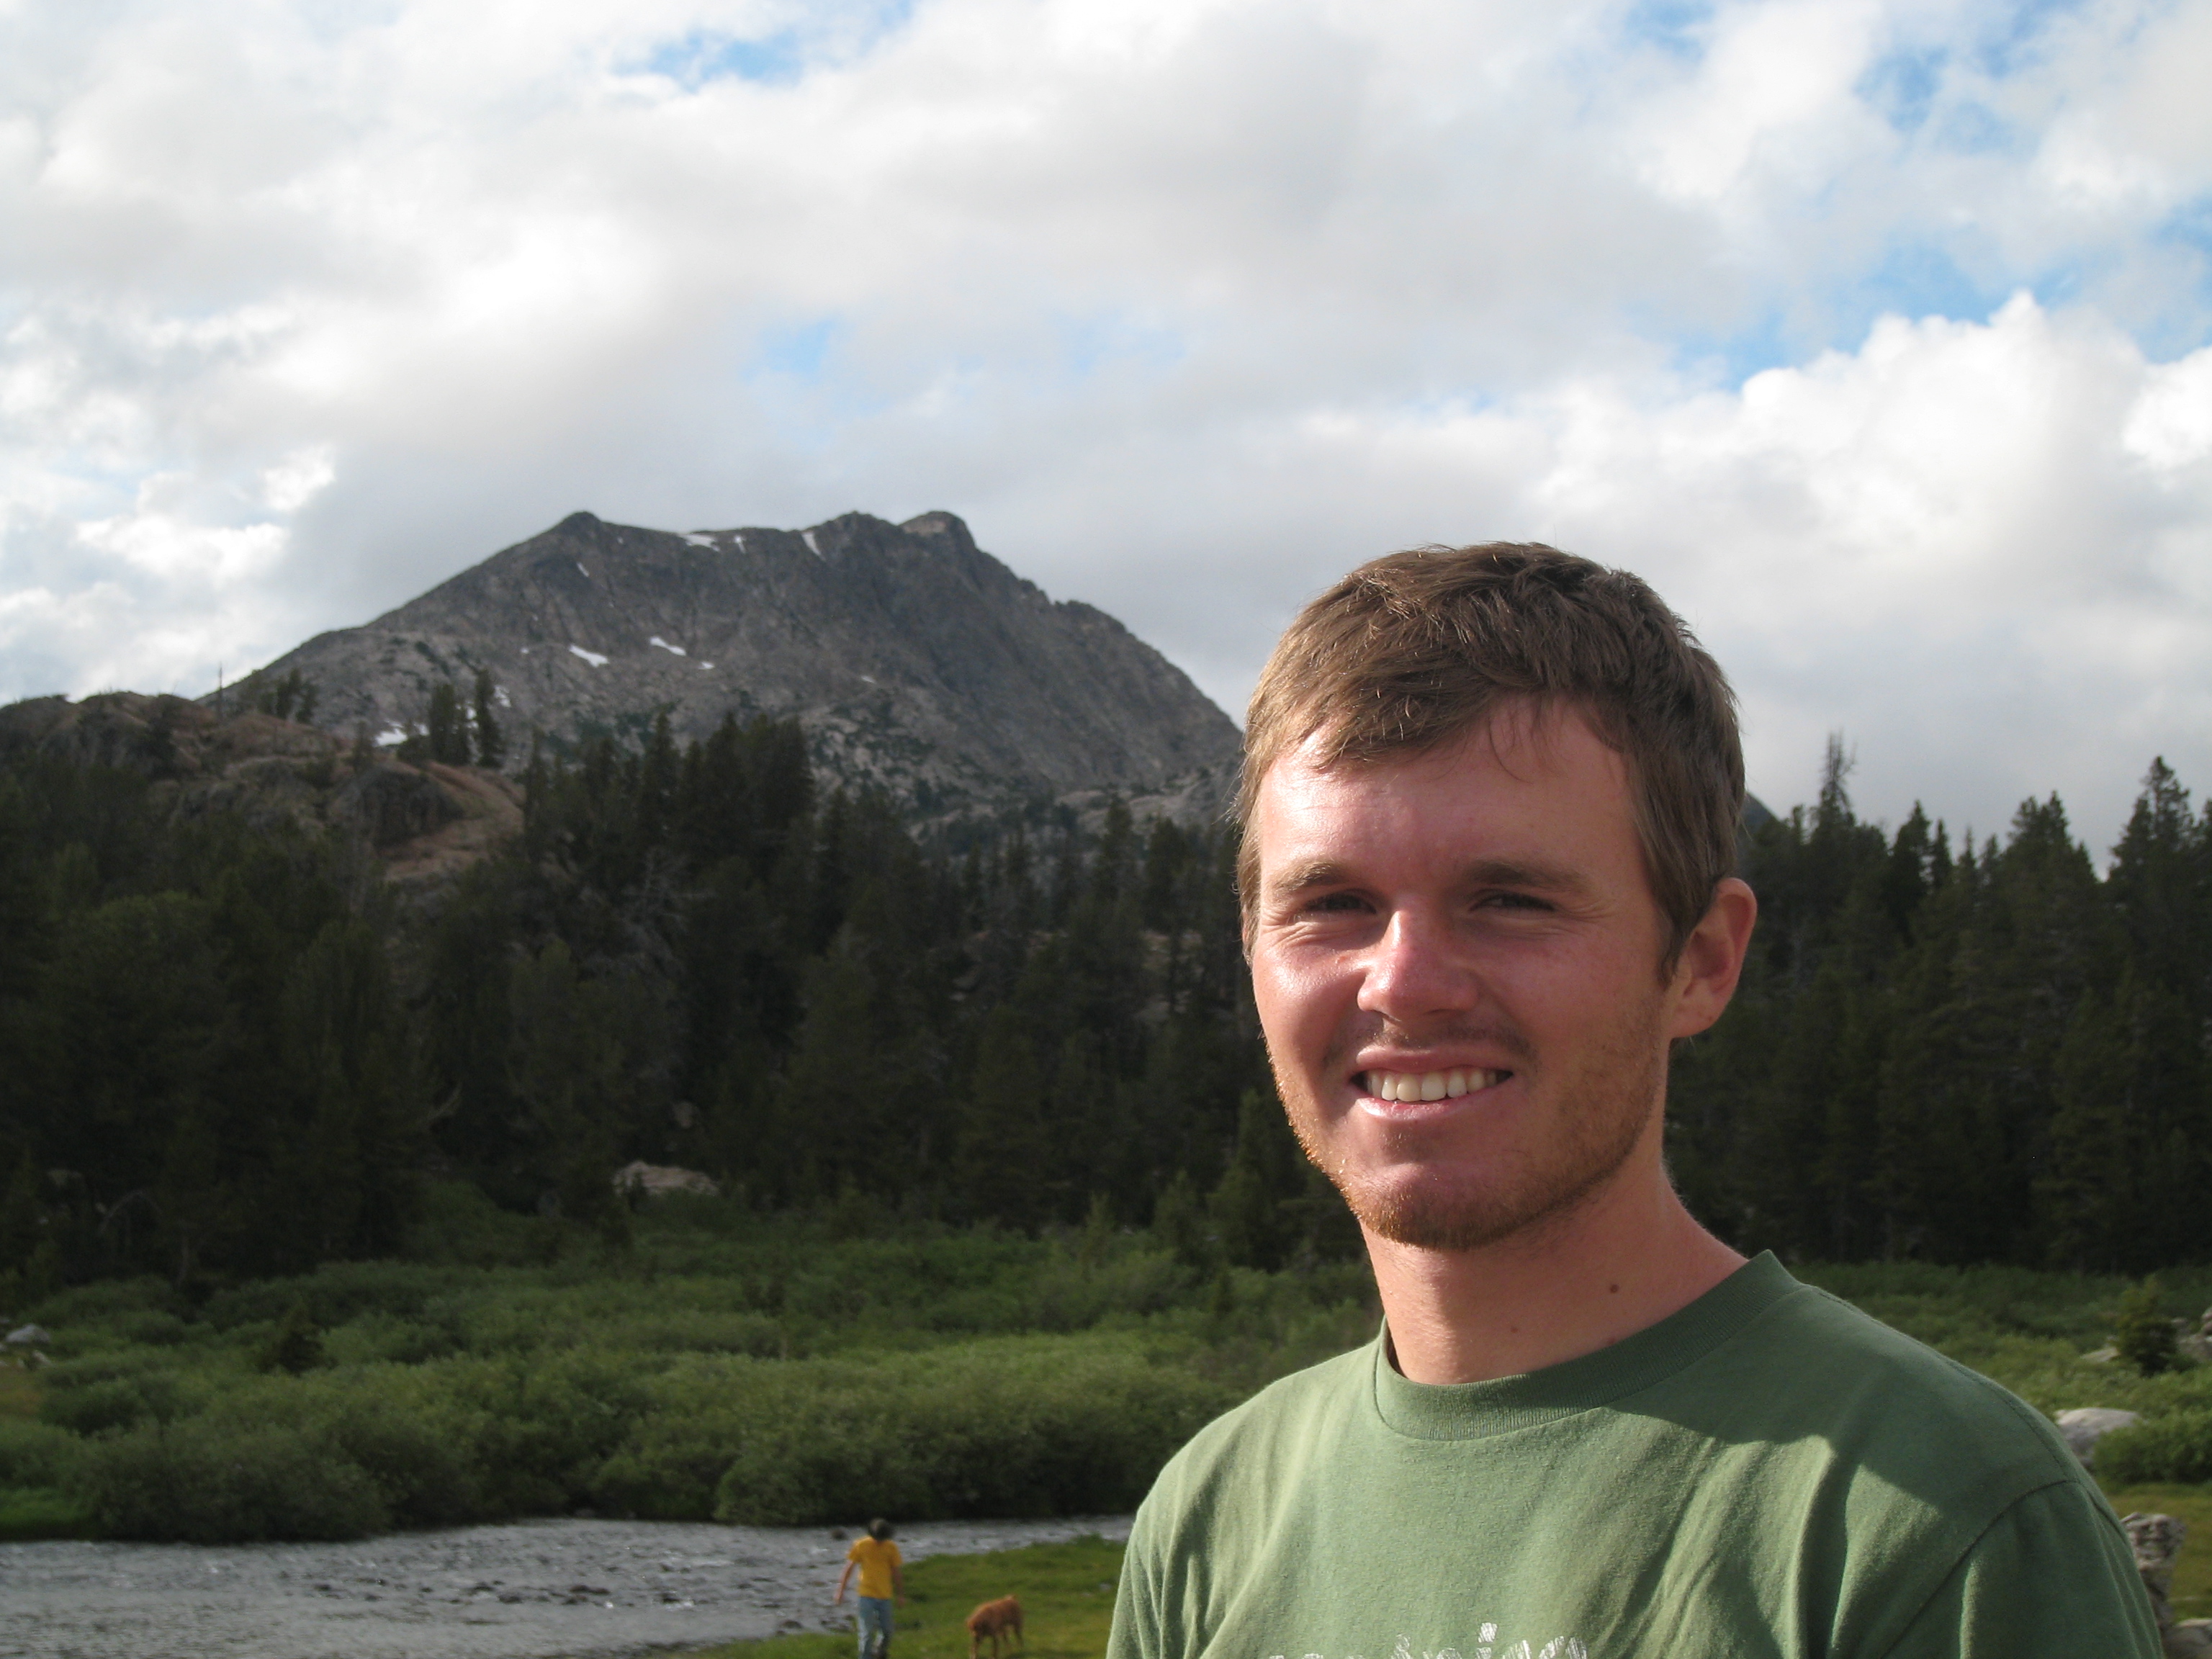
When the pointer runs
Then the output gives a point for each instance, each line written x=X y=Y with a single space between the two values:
x=297 y=479
x=1187 y=306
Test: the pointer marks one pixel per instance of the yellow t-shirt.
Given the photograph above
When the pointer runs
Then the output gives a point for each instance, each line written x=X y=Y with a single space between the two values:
x=877 y=1557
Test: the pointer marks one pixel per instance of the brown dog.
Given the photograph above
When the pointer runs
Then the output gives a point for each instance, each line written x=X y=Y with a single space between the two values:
x=994 y=1619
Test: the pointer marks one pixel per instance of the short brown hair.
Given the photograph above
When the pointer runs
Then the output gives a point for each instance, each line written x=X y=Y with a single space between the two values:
x=1413 y=650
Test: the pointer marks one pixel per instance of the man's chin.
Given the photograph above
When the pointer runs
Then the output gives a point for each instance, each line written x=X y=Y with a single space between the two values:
x=1426 y=1214
x=1430 y=1220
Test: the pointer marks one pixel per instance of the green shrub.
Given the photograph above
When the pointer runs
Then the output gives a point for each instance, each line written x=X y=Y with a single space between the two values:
x=334 y=1293
x=96 y=1408
x=2176 y=1447
x=92 y=1405
x=388 y=1339
x=458 y=1224
x=36 y=1454
x=206 y=1483
x=296 y=1344
x=423 y=1476
x=543 y=1426
x=27 y=1514
x=2142 y=1332
x=694 y=1331
x=988 y=1430
x=96 y=1303
x=150 y=1328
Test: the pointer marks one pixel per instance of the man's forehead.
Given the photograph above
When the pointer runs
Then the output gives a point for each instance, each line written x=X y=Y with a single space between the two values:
x=1522 y=736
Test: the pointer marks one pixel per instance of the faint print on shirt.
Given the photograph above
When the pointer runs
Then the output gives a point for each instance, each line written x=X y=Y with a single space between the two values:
x=1560 y=1647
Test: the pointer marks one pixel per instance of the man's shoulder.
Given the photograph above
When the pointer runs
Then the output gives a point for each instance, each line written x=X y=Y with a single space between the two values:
x=1290 y=1416
x=1812 y=1365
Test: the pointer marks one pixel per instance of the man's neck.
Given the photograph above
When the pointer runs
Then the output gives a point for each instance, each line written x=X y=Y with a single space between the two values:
x=1626 y=1259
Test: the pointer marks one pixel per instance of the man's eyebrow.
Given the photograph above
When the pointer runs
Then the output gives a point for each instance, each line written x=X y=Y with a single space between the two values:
x=1543 y=878
x=1314 y=872
x=1484 y=872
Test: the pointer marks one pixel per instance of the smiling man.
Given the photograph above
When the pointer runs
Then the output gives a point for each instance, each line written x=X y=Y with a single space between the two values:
x=1490 y=805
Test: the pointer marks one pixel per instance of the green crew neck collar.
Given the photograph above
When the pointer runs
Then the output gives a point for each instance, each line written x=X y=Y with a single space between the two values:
x=1469 y=1410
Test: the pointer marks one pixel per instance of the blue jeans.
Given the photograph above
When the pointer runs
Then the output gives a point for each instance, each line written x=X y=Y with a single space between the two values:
x=875 y=1625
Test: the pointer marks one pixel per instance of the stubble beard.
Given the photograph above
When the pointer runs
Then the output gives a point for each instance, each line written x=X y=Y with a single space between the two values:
x=1603 y=1110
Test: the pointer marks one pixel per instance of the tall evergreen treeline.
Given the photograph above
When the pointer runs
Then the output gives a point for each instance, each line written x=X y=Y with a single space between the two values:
x=1975 y=1054
x=232 y=1052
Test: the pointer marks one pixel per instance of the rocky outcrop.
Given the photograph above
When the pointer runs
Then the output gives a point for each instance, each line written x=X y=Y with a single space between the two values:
x=660 y=1180
x=915 y=661
x=392 y=804
x=2157 y=1540
x=2085 y=1426
x=418 y=819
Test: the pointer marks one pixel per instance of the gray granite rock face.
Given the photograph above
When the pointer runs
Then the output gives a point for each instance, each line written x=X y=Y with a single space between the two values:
x=915 y=661
x=2085 y=1426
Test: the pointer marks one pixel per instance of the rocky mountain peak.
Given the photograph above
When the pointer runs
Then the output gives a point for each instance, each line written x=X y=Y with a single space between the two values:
x=915 y=661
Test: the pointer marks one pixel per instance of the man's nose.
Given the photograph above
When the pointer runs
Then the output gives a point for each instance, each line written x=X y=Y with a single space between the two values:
x=1415 y=970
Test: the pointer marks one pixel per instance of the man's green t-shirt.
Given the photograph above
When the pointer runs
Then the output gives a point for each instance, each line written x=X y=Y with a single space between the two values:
x=1768 y=1472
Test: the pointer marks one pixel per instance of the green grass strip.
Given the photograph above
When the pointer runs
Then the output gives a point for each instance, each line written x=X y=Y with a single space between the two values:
x=1068 y=1605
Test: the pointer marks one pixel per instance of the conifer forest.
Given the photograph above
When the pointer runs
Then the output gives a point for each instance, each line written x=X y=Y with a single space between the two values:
x=236 y=1052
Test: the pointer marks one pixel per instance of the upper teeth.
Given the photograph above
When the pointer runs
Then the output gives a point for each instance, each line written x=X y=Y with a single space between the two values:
x=1428 y=1086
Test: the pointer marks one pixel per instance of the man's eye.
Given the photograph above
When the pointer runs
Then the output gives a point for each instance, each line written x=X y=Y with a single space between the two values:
x=1336 y=902
x=1510 y=902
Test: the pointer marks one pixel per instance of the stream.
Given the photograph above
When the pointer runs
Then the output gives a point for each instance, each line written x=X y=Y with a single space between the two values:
x=538 y=1590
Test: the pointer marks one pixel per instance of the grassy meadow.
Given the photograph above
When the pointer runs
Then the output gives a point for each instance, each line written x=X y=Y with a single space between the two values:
x=724 y=1365
x=1067 y=1604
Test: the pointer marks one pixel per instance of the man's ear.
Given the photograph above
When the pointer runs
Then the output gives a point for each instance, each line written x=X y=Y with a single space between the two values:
x=1712 y=959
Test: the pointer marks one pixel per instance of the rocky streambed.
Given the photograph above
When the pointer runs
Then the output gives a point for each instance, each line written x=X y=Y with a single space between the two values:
x=542 y=1590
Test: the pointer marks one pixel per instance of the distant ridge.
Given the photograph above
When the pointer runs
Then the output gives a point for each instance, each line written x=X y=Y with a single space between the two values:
x=915 y=661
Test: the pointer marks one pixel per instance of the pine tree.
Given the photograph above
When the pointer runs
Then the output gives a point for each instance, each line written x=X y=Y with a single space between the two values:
x=446 y=729
x=491 y=741
x=1265 y=1174
x=1002 y=1132
x=23 y=1219
x=2141 y=1331
x=296 y=1345
x=1179 y=1223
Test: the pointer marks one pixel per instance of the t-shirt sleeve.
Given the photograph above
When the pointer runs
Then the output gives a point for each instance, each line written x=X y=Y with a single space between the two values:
x=2052 y=1578
x=854 y=1553
x=1136 y=1633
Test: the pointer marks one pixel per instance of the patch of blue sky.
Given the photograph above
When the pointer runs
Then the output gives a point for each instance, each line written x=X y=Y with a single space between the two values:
x=1902 y=86
x=2190 y=225
x=1922 y=279
x=698 y=58
x=1677 y=27
x=1731 y=359
x=333 y=19
x=2016 y=39
x=1092 y=343
x=1913 y=280
x=797 y=374
x=1906 y=88
x=794 y=351
x=1969 y=128
x=2186 y=323
x=831 y=33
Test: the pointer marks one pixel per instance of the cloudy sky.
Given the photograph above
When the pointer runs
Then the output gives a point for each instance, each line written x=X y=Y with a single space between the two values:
x=1874 y=333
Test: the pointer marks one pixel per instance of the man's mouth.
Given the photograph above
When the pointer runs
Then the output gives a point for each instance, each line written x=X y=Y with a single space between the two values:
x=1431 y=1085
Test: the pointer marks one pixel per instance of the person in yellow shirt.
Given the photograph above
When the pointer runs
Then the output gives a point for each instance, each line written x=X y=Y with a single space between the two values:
x=877 y=1559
